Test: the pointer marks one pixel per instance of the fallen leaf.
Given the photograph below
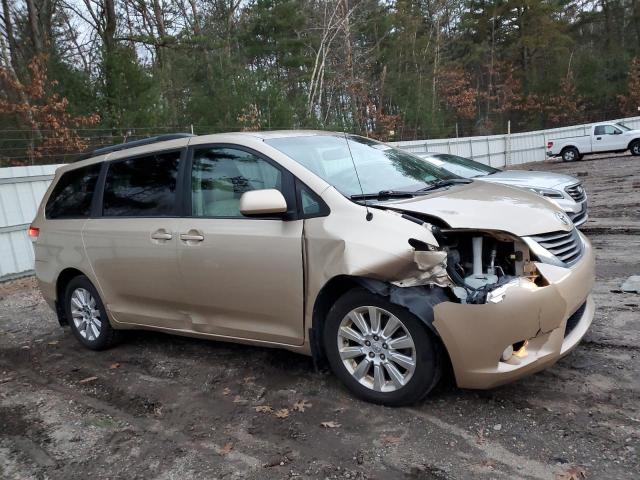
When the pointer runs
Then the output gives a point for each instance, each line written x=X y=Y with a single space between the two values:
x=282 y=413
x=391 y=438
x=264 y=409
x=226 y=450
x=88 y=379
x=5 y=380
x=52 y=342
x=239 y=399
x=301 y=405
x=26 y=347
x=157 y=411
x=113 y=366
x=330 y=424
x=573 y=473
x=226 y=391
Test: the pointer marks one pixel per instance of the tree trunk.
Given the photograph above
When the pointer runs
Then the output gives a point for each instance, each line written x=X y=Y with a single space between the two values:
x=34 y=28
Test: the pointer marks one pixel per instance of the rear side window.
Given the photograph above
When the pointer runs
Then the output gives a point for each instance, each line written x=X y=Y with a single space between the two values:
x=72 y=195
x=142 y=186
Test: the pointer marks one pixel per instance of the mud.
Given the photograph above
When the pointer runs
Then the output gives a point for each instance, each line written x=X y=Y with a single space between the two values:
x=175 y=408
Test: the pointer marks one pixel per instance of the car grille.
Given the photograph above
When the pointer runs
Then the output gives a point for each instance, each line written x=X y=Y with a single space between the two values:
x=573 y=320
x=580 y=217
x=566 y=246
x=576 y=192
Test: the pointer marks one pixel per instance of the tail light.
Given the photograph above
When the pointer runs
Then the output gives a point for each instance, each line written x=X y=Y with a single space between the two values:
x=549 y=145
x=33 y=233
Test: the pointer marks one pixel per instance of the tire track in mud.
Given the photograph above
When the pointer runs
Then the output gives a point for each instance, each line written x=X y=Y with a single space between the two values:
x=142 y=425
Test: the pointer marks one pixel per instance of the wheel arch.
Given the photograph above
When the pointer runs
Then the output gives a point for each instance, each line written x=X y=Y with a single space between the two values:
x=567 y=147
x=635 y=140
x=64 y=277
x=418 y=300
x=326 y=298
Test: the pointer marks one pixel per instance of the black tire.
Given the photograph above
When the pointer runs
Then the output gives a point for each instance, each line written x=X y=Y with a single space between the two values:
x=570 y=154
x=634 y=148
x=107 y=336
x=428 y=351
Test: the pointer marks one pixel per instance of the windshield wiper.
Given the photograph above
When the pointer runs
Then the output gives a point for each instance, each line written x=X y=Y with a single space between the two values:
x=383 y=195
x=444 y=183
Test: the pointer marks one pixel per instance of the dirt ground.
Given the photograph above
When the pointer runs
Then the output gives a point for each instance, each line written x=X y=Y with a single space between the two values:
x=165 y=407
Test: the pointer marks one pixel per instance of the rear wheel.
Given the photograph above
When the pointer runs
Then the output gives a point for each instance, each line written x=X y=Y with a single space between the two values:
x=570 y=154
x=635 y=148
x=87 y=316
x=381 y=351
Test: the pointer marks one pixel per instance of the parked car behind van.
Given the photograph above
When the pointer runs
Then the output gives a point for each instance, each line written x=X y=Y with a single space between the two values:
x=566 y=191
x=325 y=244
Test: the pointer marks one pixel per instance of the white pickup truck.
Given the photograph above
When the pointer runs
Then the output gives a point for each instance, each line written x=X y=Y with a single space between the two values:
x=604 y=137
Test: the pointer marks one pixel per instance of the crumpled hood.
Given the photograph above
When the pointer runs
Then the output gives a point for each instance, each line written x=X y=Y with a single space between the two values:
x=488 y=206
x=526 y=178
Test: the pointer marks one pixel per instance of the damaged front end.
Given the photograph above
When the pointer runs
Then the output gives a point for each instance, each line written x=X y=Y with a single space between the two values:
x=500 y=313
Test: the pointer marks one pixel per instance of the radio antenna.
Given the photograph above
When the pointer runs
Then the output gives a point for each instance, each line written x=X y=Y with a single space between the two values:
x=355 y=169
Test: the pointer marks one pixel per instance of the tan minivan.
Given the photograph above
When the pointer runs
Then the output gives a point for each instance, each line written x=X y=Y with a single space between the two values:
x=326 y=244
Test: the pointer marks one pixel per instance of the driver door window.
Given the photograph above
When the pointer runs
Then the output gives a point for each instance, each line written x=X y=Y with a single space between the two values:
x=220 y=176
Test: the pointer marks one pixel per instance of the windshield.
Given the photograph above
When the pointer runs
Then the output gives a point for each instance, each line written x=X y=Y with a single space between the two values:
x=463 y=167
x=380 y=167
x=623 y=127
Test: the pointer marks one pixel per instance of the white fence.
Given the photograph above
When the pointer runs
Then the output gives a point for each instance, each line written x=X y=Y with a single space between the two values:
x=504 y=150
x=21 y=189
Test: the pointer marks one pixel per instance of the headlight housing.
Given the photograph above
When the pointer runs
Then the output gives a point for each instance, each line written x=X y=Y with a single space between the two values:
x=547 y=192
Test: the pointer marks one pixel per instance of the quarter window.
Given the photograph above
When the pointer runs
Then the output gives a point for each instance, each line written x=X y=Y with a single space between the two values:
x=142 y=187
x=220 y=176
x=72 y=195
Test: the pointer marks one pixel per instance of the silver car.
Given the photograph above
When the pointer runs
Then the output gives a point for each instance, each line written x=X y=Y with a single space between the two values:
x=565 y=190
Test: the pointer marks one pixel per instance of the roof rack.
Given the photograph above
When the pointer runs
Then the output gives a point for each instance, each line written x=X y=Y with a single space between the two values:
x=135 y=143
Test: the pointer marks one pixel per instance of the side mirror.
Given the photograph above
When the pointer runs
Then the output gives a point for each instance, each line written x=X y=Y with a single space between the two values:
x=258 y=203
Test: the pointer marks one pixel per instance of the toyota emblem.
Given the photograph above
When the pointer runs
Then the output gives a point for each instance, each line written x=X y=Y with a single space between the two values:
x=563 y=218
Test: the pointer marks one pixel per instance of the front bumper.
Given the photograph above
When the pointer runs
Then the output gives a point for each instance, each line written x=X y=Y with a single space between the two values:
x=476 y=335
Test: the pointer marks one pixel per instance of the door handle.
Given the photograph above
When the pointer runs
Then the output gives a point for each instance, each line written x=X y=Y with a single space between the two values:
x=598 y=138
x=161 y=234
x=192 y=236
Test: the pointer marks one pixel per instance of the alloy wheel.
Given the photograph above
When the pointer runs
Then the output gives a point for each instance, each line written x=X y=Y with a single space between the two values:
x=85 y=314
x=376 y=348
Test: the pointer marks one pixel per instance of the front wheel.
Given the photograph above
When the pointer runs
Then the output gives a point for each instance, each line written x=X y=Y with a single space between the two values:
x=87 y=316
x=635 y=148
x=570 y=154
x=381 y=351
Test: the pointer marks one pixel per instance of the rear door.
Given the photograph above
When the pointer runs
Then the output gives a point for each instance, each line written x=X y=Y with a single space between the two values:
x=240 y=277
x=131 y=241
x=607 y=138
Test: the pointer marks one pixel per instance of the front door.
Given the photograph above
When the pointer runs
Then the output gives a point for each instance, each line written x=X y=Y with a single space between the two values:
x=241 y=277
x=132 y=245
x=607 y=138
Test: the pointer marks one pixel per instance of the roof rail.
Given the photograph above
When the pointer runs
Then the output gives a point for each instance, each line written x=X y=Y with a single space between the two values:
x=134 y=143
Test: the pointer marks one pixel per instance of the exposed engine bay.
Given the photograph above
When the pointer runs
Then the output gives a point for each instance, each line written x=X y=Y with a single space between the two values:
x=479 y=262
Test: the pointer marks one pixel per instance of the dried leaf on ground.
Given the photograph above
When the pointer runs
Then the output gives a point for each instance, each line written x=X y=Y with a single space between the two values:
x=573 y=473
x=88 y=379
x=263 y=409
x=226 y=450
x=331 y=424
x=301 y=405
x=113 y=366
x=388 y=438
x=282 y=413
x=226 y=391
x=52 y=342
x=25 y=347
